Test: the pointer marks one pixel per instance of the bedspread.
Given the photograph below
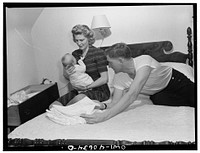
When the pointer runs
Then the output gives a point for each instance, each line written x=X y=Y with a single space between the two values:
x=141 y=121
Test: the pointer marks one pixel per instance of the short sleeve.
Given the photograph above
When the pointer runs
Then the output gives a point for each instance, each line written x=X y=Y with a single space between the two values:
x=145 y=60
x=122 y=81
x=101 y=61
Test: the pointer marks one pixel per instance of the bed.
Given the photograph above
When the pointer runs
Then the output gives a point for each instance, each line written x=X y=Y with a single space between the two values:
x=141 y=126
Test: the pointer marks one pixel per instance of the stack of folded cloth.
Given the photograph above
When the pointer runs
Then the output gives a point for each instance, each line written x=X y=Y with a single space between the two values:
x=19 y=97
x=70 y=115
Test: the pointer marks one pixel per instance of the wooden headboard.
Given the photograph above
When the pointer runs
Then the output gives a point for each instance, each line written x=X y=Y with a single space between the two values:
x=162 y=51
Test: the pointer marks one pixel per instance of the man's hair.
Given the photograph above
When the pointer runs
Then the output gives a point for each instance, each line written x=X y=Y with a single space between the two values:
x=118 y=50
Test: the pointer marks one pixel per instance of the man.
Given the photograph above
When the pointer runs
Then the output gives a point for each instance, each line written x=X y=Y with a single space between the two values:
x=164 y=85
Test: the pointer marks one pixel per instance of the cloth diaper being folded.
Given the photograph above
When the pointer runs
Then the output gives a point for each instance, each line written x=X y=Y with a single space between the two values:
x=70 y=115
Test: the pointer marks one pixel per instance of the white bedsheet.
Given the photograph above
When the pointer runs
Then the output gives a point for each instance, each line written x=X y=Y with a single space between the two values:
x=141 y=121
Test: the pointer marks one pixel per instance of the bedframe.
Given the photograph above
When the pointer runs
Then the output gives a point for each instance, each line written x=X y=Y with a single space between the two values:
x=184 y=117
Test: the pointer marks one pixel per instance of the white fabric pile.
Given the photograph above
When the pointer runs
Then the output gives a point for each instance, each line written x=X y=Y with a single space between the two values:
x=19 y=97
x=70 y=115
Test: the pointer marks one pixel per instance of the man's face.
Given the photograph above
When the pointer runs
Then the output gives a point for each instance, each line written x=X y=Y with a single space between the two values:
x=115 y=64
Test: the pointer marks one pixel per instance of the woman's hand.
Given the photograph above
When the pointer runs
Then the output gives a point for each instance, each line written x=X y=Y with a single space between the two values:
x=96 y=117
x=81 y=88
x=69 y=70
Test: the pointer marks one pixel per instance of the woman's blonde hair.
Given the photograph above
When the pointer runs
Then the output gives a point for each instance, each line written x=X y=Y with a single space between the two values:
x=85 y=30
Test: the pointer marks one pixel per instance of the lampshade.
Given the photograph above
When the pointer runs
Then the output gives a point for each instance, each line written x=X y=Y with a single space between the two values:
x=100 y=21
x=101 y=27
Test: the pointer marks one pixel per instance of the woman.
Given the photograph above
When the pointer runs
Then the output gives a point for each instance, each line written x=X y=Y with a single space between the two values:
x=164 y=85
x=96 y=66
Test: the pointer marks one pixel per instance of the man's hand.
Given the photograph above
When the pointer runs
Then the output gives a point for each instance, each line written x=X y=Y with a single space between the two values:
x=100 y=105
x=96 y=117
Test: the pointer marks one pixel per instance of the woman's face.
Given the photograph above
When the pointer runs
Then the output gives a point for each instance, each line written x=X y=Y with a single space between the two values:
x=81 y=41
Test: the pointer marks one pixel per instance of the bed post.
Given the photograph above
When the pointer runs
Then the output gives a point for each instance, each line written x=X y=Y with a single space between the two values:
x=189 y=36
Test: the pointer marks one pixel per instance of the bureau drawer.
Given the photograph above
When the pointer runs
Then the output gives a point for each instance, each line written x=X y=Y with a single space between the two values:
x=13 y=116
x=35 y=105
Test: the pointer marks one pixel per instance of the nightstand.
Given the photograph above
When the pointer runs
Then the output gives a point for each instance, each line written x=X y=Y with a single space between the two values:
x=34 y=106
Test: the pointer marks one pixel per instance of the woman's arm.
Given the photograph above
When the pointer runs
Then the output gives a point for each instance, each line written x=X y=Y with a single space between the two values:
x=65 y=74
x=101 y=65
x=100 y=81
x=68 y=71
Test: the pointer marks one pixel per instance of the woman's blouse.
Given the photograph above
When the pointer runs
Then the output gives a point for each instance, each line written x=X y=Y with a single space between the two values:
x=95 y=61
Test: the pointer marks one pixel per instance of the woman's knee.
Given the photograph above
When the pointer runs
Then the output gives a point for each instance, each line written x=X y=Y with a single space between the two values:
x=79 y=97
x=67 y=97
x=76 y=99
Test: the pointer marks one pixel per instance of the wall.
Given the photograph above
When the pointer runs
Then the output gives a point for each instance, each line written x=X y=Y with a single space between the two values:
x=21 y=64
x=51 y=37
x=52 y=31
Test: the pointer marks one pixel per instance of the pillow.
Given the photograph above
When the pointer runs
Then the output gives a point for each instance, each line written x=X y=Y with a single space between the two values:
x=183 y=68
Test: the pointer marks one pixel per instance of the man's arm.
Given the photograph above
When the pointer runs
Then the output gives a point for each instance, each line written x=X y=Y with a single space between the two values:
x=130 y=96
x=117 y=94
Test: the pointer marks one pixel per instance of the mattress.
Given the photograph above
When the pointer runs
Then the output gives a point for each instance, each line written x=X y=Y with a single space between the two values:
x=141 y=121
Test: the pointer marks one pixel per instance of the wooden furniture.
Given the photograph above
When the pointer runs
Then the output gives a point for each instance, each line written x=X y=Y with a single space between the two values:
x=34 y=106
x=162 y=51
